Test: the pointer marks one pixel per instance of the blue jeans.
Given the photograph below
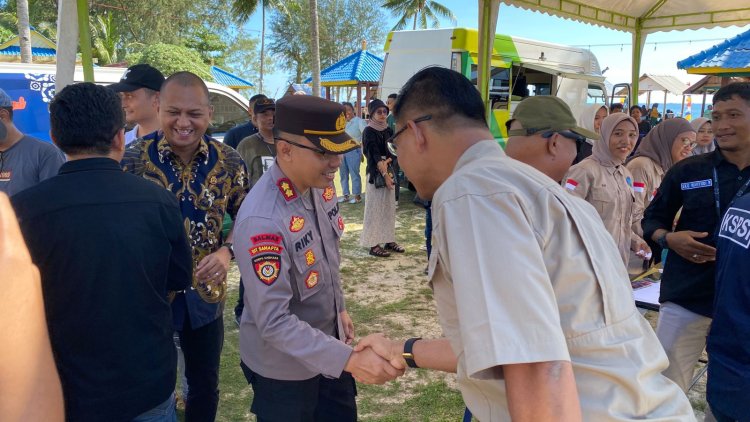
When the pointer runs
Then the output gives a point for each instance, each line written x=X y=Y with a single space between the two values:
x=164 y=412
x=350 y=167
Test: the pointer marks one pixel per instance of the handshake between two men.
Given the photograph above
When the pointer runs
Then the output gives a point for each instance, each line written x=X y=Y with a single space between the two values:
x=377 y=359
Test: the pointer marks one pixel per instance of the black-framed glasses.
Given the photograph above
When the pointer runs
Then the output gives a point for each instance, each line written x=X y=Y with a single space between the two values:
x=318 y=150
x=390 y=142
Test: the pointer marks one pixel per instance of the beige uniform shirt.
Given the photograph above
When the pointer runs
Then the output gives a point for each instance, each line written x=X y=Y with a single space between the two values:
x=610 y=191
x=523 y=273
x=647 y=176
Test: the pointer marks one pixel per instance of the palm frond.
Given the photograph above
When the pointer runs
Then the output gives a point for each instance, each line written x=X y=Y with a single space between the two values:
x=243 y=9
x=438 y=9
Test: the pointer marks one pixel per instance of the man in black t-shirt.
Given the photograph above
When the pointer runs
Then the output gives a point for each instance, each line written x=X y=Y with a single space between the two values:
x=109 y=245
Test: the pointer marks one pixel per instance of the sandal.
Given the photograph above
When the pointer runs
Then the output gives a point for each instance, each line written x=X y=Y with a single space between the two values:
x=378 y=251
x=395 y=247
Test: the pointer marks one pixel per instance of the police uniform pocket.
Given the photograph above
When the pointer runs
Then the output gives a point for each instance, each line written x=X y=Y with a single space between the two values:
x=309 y=275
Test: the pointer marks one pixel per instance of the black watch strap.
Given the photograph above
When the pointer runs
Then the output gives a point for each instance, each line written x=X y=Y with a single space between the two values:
x=229 y=246
x=408 y=355
x=662 y=241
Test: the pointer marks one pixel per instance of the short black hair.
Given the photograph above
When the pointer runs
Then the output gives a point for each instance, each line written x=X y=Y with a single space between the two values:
x=394 y=96
x=615 y=106
x=84 y=118
x=187 y=79
x=634 y=107
x=347 y=104
x=740 y=89
x=443 y=92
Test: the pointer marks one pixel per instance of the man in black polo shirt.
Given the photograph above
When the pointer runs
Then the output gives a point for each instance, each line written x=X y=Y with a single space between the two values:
x=109 y=245
x=704 y=187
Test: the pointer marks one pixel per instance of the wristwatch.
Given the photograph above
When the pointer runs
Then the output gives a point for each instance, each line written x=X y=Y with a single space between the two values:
x=662 y=241
x=229 y=246
x=407 y=354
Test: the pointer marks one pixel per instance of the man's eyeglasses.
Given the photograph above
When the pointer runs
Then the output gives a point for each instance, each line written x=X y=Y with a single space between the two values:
x=546 y=134
x=391 y=141
x=318 y=150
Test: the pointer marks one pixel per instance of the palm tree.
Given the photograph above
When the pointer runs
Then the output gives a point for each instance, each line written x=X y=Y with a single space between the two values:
x=24 y=30
x=315 y=37
x=243 y=9
x=419 y=11
x=105 y=36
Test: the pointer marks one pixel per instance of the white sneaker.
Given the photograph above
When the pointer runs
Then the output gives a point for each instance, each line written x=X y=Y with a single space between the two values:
x=342 y=199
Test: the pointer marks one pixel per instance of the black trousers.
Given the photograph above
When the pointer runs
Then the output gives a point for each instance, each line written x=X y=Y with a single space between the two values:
x=202 y=350
x=317 y=399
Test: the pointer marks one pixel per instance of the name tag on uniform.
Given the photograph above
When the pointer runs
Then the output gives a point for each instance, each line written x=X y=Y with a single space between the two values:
x=697 y=184
x=736 y=227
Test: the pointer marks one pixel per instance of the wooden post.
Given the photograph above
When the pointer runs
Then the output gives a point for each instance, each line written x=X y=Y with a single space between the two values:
x=664 y=116
x=682 y=110
x=359 y=100
x=328 y=93
x=703 y=104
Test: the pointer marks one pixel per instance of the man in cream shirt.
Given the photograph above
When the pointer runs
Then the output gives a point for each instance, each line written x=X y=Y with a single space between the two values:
x=533 y=299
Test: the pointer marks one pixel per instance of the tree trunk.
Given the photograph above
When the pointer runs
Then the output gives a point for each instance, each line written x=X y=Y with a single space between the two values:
x=414 y=28
x=262 y=45
x=315 y=47
x=24 y=30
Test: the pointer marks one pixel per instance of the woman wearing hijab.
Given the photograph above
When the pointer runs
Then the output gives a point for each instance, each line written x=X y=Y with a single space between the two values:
x=379 y=226
x=667 y=143
x=603 y=181
x=704 y=136
x=590 y=118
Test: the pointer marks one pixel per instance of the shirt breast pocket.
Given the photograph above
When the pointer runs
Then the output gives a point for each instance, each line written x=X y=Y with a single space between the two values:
x=603 y=200
x=698 y=198
x=309 y=275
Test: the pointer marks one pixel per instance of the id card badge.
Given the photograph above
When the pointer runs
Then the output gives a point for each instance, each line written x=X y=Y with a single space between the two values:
x=267 y=162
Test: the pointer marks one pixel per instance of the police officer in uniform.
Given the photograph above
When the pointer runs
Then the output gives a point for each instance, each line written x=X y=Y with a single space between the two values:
x=295 y=331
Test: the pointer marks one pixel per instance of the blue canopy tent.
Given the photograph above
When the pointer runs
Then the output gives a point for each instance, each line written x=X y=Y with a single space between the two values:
x=359 y=70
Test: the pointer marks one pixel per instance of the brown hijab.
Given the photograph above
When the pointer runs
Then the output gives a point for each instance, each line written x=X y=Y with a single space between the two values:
x=601 y=153
x=657 y=145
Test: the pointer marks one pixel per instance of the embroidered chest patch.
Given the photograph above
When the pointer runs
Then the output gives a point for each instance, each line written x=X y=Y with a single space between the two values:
x=296 y=224
x=312 y=279
x=309 y=257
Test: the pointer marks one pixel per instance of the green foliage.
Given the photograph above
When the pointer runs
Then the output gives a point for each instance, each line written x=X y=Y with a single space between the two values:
x=170 y=58
x=105 y=38
x=338 y=36
x=418 y=12
x=242 y=57
x=208 y=44
x=6 y=34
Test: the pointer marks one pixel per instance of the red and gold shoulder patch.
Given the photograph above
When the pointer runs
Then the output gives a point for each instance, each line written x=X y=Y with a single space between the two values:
x=267 y=268
x=286 y=188
x=312 y=279
x=329 y=193
x=262 y=249
x=309 y=257
x=296 y=224
x=341 y=223
x=266 y=238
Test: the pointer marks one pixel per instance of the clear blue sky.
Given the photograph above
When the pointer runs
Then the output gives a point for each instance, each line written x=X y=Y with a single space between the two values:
x=657 y=58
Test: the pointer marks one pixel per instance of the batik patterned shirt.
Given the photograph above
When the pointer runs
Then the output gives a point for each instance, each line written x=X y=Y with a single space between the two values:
x=213 y=184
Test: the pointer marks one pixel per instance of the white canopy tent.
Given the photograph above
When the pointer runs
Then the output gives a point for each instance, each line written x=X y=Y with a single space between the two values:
x=638 y=17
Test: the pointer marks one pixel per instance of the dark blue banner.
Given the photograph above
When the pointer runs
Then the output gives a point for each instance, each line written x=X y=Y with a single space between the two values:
x=31 y=94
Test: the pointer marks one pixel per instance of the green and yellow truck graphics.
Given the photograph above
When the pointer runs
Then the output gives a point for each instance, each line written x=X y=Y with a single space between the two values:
x=520 y=68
